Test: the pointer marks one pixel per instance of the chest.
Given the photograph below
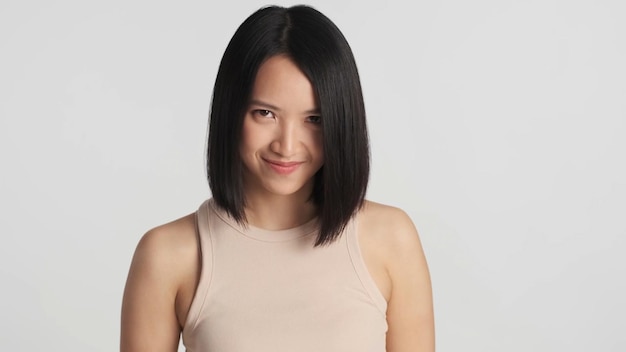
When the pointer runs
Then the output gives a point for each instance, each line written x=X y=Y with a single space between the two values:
x=286 y=297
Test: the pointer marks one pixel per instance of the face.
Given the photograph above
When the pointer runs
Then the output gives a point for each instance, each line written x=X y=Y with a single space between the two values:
x=281 y=145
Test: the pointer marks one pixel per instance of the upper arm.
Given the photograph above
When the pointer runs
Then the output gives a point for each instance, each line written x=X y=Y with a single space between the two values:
x=410 y=308
x=148 y=310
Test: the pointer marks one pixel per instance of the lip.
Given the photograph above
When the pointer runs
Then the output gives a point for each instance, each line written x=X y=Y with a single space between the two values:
x=282 y=167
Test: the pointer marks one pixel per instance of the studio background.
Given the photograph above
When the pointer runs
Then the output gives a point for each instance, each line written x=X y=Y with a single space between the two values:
x=497 y=125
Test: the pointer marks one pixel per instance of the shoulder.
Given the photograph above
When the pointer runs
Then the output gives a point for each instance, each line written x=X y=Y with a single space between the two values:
x=389 y=233
x=390 y=225
x=174 y=236
x=164 y=266
x=165 y=245
x=389 y=244
x=166 y=258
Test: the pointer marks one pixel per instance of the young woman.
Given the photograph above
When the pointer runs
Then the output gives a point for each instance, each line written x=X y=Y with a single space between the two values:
x=287 y=255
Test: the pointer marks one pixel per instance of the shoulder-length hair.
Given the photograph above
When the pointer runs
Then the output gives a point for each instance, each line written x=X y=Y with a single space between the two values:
x=322 y=53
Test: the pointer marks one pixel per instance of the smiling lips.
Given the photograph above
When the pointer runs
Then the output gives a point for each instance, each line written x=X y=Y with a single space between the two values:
x=283 y=168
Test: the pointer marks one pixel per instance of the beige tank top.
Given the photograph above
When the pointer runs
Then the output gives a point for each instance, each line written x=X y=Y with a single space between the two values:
x=272 y=291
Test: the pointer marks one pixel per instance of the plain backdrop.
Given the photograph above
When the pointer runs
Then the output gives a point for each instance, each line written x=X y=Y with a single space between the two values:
x=499 y=126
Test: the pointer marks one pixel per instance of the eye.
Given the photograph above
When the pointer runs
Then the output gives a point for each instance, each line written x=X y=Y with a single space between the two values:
x=263 y=113
x=315 y=119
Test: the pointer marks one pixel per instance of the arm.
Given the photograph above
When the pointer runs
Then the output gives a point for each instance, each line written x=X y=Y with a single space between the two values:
x=149 y=320
x=410 y=308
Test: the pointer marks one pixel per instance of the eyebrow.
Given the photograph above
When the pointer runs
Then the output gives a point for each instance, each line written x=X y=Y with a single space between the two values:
x=275 y=108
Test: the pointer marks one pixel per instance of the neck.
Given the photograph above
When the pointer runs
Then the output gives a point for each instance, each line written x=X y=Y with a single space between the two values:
x=276 y=212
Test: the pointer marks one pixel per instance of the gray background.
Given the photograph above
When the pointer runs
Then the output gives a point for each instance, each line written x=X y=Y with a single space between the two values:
x=497 y=125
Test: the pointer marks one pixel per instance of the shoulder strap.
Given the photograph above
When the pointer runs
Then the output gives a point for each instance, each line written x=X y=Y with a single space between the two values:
x=203 y=229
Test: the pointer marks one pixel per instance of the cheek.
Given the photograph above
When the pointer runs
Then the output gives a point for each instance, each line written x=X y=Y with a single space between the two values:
x=318 y=147
x=249 y=139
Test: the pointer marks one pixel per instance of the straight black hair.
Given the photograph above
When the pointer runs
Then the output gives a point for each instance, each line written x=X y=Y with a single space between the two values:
x=322 y=53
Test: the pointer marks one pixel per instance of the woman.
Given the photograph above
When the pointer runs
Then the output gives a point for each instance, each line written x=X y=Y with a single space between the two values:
x=287 y=255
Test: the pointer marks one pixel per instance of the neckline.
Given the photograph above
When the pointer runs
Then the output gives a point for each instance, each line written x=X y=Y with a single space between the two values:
x=265 y=235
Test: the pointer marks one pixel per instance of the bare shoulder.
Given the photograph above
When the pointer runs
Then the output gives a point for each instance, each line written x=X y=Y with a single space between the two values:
x=390 y=226
x=160 y=285
x=167 y=250
x=383 y=231
x=390 y=240
x=392 y=232
x=169 y=241
x=173 y=252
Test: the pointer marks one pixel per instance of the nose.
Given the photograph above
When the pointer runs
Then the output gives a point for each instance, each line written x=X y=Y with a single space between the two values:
x=286 y=141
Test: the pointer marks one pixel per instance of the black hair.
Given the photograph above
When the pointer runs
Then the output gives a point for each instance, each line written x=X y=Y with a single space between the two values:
x=322 y=53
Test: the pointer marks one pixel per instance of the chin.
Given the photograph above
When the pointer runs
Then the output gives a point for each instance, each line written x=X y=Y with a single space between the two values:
x=285 y=189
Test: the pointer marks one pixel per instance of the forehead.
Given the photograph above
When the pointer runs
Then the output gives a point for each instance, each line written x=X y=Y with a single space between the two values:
x=280 y=82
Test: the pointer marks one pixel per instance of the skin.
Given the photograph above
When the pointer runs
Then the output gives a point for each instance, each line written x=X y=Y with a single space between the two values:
x=281 y=125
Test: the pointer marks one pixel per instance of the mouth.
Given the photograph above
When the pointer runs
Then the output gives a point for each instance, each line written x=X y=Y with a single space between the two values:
x=282 y=167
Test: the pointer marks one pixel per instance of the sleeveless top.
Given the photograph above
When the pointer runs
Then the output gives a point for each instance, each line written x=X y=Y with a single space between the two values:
x=272 y=291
